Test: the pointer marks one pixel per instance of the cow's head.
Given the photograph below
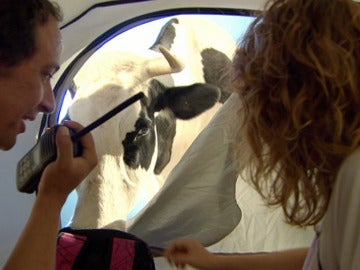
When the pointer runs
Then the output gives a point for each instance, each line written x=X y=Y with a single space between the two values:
x=135 y=145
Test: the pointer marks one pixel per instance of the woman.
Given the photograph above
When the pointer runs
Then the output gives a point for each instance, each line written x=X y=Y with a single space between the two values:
x=297 y=74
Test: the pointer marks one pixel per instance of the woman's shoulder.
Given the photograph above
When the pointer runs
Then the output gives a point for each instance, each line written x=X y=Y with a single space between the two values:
x=350 y=169
x=340 y=238
x=347 y=186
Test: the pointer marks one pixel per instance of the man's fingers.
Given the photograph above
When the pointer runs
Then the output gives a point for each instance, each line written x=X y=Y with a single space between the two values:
x=86 y=141
x=63 y=143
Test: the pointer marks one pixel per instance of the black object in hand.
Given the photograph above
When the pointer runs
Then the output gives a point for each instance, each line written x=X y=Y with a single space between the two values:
x=31 y=166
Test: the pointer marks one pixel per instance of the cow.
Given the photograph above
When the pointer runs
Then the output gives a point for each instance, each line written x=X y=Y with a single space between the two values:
x=159 y=123
x=136 y=144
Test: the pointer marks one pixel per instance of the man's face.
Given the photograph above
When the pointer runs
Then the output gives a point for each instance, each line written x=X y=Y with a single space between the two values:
x=25 y=90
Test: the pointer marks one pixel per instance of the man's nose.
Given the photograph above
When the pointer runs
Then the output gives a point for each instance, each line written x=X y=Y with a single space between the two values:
x=47 y=104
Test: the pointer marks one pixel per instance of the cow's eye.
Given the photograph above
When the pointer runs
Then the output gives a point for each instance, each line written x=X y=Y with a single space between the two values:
x=143 y=131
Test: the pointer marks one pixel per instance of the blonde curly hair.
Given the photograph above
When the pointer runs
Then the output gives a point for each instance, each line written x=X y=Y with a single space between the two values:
x=297 y=73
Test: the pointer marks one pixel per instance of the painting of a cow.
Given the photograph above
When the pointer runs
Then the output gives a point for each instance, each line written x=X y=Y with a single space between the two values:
x=138 y=148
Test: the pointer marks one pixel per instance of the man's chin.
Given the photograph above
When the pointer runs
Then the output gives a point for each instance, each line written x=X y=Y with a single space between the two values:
x=8 y=144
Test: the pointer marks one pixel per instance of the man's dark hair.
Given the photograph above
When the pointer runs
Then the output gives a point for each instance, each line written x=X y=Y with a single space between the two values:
x=18 y=21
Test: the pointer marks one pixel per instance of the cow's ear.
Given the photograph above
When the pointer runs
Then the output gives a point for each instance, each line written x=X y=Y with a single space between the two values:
x=189 y=101
x=216 y=67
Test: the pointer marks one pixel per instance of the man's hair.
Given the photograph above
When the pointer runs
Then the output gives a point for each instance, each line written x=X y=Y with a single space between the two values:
x=18 y=22
x=297 y=72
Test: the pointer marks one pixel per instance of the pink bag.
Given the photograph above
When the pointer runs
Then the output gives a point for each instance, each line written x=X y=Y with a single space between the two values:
x=101 y=249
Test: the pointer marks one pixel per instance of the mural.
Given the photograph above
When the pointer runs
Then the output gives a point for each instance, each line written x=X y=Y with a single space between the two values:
x=165 y=166
x=216 y=31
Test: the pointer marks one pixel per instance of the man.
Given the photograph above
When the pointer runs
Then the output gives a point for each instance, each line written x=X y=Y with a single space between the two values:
x=30 y=47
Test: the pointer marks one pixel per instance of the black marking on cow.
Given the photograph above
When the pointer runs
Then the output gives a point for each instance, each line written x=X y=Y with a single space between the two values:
x=183 y=102
x=139 y=145
x=165 y=125
x=187 y=102
x=166 y=36
x=216 y=68
x=166 y=130
x=169 y=103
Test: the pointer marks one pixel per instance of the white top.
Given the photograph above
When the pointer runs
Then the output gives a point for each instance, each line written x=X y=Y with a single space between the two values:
x=338 y=244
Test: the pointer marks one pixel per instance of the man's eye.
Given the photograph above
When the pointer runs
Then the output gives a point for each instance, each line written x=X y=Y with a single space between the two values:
x=47 y=76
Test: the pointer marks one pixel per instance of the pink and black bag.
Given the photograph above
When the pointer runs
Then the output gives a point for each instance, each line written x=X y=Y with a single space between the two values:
x=101 y=249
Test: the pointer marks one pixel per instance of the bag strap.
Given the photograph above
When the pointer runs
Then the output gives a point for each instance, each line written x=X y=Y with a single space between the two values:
x=101 y=233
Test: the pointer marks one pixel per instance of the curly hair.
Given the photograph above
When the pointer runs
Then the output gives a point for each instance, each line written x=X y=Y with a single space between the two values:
x=18 y=20
x=297 y=73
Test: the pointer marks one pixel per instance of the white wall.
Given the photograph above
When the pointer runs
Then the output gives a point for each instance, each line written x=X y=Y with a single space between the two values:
x=14 y=206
